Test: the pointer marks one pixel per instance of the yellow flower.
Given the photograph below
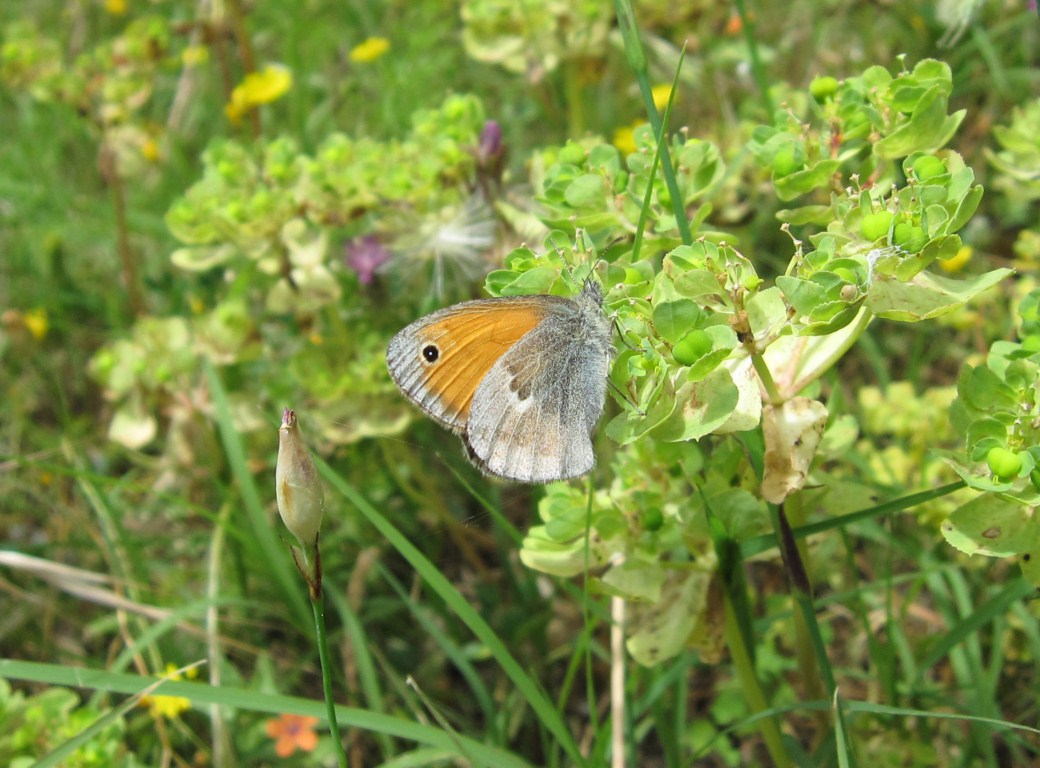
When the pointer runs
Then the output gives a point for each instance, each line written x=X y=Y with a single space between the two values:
x=150 y=150
x=292 y=732
x=370 y=50
x=194 y=55
x=625 y=137
x=168 y=706
x=958 y=262
x=35 y=320
x=115 y=7
x=263 y=87
x=660 y=95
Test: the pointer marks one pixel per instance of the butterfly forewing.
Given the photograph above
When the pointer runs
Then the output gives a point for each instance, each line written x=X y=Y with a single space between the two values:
x=440 y=360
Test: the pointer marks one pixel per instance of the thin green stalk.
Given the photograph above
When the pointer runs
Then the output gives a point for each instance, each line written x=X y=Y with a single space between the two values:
x=759 y=544
x=749 y=685
x=223 y=754
x=644 y=211
x=766 y=377
x=637 y=60
x=575 y=103
x=738 y=632
x=590 y=682
x=318 y=606
x=759 y=71
x=807 y=632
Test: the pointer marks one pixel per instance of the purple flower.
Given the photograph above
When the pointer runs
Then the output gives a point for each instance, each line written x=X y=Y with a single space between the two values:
x=490 y=141
x=365 y=255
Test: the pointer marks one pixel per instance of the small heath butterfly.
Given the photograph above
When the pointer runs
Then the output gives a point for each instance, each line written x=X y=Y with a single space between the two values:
x=521 y=379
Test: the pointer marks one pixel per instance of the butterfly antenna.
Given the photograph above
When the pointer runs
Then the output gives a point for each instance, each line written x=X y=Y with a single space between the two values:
x=624 y=396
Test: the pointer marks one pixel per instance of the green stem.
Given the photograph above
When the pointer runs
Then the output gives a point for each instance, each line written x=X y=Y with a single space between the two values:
x=318 y=606
x=772 y=393
x=809 y=641
x=749 y=686
x=738 y=632
x=637 y=60
x=575 y=99
x=759 y=72
x=110 y=173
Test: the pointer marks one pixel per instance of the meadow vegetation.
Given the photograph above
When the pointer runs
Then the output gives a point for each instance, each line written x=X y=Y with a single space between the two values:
x=809 y=537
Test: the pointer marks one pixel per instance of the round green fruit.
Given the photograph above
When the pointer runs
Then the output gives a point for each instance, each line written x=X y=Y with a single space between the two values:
x=822 y=88
x=911 y=237
x=1002 y=462
x=785 y=162
x=875 y=225
x=653 y=519
x=927 y=167
x=692 y=347
x=571 y=154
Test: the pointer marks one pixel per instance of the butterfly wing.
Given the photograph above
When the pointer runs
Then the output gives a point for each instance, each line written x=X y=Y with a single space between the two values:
x=439 y=360
x=532 y=415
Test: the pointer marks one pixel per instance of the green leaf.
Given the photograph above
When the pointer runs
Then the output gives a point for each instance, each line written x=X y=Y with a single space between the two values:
x=661 y=630
x=203 y=257
x=634 y=580
x=927 y=295
x=767 y=311
x=965 y=210
x=586 y=192
x=504 y=282
x=801 y=182
x=989 y=525
x=988 y=393
x=673 y=319
x=699 y=408
x=928 y=128
x=804 y=295
x=657 y=404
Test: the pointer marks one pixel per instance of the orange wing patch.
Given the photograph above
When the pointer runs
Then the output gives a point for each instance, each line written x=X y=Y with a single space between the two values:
x=469 y=342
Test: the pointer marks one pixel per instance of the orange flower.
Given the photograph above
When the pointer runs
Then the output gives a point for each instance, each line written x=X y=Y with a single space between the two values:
x=292 y=732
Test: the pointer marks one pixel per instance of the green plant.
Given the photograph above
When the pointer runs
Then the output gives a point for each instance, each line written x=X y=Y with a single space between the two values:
x=33 y=726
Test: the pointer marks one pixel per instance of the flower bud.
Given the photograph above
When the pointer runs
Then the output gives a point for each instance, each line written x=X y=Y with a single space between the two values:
x=301 y=500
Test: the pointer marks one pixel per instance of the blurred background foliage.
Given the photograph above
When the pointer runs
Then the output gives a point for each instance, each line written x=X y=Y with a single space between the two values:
x=276 y=189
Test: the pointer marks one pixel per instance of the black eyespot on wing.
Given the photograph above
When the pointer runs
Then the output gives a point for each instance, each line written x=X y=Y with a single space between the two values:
x=430 y=353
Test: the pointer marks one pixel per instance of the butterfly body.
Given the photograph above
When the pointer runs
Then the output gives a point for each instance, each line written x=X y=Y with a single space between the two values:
x=521 y=379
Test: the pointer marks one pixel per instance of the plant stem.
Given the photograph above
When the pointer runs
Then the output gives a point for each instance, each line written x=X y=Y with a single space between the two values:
x=748 y=26
x=245 y=51
x=749 y=685
x=637 y=60
x=318 y=606
x=772 y=393
x=110 y=173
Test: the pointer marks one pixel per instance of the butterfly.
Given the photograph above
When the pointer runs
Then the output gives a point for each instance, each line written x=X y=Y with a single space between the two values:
x=521 y=379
